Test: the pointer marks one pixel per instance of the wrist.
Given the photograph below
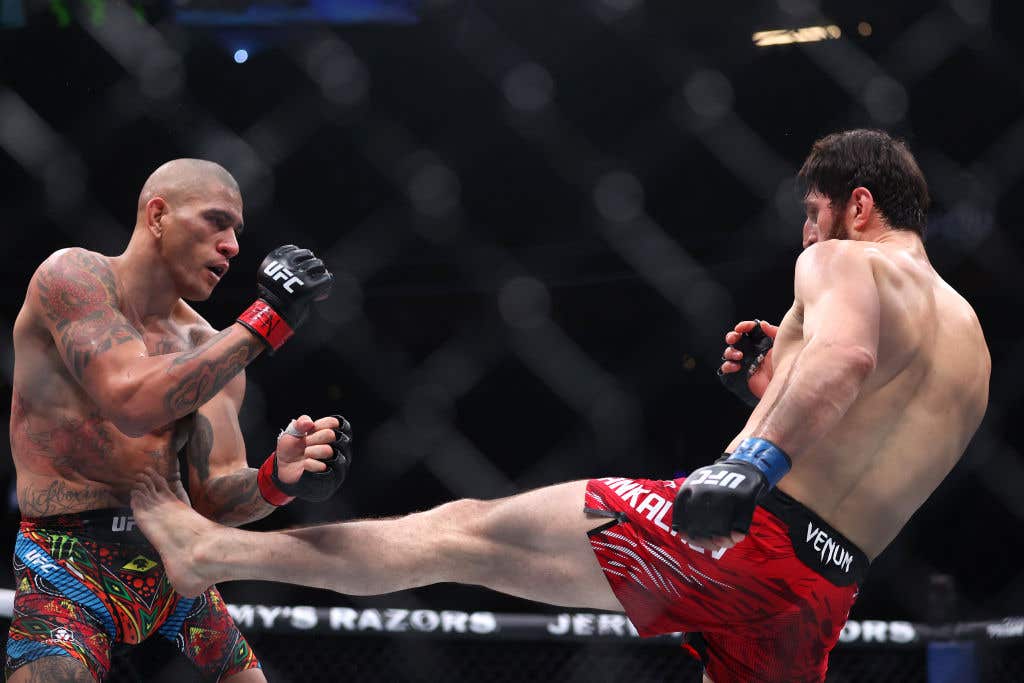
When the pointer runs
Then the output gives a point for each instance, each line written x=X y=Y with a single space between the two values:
x=768 y=458
x=266 y=481
x=266 y=323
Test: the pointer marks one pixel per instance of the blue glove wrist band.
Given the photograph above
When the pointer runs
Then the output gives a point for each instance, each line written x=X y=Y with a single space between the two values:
x=765 y=456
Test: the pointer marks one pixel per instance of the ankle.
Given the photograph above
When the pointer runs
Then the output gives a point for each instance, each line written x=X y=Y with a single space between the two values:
x=207 y=549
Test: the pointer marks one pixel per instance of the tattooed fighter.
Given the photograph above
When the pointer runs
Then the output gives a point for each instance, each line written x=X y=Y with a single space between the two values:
x=115 y=373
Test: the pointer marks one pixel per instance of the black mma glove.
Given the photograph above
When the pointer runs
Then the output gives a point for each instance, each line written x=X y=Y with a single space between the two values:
x=288 y=281
x=753 y=345
x=312 y=486
x=720 y=498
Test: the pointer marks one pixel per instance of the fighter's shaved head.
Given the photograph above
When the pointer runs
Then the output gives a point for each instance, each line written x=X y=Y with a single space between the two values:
x=184 y=178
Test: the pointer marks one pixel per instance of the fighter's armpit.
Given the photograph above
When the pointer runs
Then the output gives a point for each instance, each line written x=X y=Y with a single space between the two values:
x=78 y=295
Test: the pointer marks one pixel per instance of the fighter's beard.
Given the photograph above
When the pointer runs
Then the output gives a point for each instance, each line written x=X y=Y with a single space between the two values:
x=837 y=231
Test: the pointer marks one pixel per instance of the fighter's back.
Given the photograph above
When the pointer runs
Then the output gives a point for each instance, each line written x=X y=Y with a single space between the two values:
x=914 y=414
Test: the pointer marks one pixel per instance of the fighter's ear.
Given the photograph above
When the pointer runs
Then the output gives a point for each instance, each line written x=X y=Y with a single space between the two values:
x=156 y=212
x=860 y=209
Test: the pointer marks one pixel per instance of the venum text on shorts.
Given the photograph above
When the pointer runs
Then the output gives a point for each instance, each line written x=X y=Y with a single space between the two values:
x=828 y=550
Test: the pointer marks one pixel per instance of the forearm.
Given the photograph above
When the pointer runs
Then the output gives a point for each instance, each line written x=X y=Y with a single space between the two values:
x=822 y=385
x=159 y=389
x=233 y=499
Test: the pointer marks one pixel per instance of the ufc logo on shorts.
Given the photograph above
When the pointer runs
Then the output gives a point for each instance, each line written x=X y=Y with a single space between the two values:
x=39 y=562
x=277 y=271
x=122 y=523
x=710 y=477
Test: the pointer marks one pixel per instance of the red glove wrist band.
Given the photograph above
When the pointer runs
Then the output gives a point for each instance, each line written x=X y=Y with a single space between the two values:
x=265 y=482
x=264 y=321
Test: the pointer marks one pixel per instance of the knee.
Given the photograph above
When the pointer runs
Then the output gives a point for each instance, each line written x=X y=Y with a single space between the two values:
x=464 y=529
x=463 y=517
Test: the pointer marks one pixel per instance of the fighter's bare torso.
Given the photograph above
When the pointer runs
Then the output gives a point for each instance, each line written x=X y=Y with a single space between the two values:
x=68 y=457
x=914 y=415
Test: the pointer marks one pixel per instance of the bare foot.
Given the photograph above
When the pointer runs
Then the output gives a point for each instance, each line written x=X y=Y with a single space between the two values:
x=175 y=530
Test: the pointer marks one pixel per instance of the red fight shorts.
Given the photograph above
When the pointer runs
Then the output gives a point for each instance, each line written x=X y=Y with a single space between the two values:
x=768 y=609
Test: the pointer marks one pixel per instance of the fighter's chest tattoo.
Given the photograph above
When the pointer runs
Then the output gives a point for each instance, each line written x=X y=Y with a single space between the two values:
x=162 y=341
x=164 y=345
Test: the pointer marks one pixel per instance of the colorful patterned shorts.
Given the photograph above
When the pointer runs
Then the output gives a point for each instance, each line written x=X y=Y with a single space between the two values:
x=90 y=580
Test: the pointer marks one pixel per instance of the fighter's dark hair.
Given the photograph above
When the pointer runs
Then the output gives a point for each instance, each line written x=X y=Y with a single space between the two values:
x=840 y=162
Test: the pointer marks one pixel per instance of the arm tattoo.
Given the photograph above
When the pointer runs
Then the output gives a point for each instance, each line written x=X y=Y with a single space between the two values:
x=78 y=294
x=200 y=443
x=230 y=499
x=235 y=498
x=199 y=384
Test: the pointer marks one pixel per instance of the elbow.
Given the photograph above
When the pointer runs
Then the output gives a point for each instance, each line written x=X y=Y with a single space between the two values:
x=841 y=367
x=858 y=361
x=132 y=428
x=135 y=424
x=134 y=419
x=203 y=507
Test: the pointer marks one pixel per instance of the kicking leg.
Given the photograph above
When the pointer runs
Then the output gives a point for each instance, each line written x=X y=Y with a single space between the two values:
x=533 y=545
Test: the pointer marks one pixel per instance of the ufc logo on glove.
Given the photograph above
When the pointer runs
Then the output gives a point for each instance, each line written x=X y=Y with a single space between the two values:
x=712 y=477
x=277 y=271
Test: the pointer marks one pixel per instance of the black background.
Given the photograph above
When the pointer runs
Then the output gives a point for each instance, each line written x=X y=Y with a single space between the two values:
x=524 y=206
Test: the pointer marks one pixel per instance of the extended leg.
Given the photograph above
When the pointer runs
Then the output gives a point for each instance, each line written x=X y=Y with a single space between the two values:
x=533 y=545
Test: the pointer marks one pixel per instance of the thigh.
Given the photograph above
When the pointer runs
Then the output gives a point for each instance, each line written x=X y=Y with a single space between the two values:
x=764 y=613
x=533 y=545
x=667 y=585
x=206 y=634
x=57 y=623
x=53 y=635
x=53 y=669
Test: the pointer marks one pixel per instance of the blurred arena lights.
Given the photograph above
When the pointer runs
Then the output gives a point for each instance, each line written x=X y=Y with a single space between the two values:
x=786 y=36
x=241 y=56
x=257 y=13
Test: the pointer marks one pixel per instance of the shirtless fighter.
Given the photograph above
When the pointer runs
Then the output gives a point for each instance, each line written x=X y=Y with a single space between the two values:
x=866 y=411
x=115 y=373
